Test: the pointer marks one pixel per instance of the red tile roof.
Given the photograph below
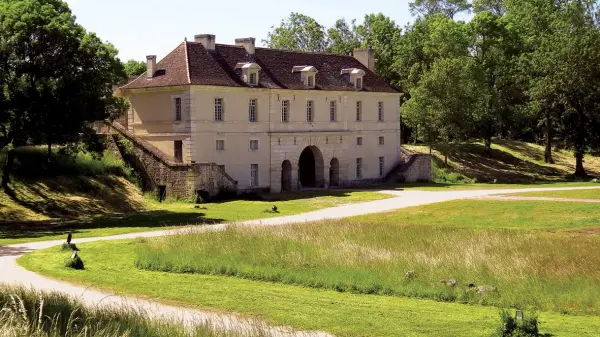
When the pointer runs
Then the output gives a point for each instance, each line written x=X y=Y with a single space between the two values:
x=191 y=63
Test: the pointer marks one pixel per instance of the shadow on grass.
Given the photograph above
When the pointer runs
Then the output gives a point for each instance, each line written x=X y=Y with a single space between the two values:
x=503 y=166
x=300 y=195
x=152 y=219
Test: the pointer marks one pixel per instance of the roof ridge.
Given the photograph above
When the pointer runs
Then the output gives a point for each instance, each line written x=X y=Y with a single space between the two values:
x=288 y=50
x=187 y=62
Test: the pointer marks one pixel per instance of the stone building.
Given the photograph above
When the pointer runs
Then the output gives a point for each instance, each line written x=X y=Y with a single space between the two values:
x=269 y=119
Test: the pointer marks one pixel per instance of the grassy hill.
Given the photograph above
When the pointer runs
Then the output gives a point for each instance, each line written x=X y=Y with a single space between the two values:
x=68 y=188
x=511 y=162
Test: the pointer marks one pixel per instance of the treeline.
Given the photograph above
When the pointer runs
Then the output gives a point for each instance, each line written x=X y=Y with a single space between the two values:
x=519 y=69
x=55 y=79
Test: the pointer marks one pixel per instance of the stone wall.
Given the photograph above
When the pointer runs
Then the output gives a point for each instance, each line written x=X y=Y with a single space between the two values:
x=413 y=167
x=180 y=180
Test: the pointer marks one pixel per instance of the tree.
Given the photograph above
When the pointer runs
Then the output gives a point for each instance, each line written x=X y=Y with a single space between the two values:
x=381 y=33
x=446 y=7
x=298 y=32
x=494 y=6
x=446 y=101
x=343 y=38
x=495 y=48
x=59 y=76
x=134 y=68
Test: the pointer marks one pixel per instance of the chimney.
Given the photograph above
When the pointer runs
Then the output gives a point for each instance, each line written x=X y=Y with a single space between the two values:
x=247 y=43
x=150 y=65
x=366 y=57
x=207 y=40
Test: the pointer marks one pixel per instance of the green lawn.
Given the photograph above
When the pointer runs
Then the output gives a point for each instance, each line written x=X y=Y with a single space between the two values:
x=486 y=214
x=172 y=214
x=109 y=265
x=581 y=194
x=433 y=187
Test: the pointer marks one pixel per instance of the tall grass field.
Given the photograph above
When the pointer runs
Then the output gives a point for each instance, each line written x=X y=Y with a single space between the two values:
x=383 y=255
x=29 y=313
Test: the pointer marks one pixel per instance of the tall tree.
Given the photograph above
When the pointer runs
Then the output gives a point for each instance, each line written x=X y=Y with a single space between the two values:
x=298 y=32
x=60 y=76
x=134 y=68
x=494 y=6
x=382 y=34
x=343 y=38
x=447 y=99
x=446 y=7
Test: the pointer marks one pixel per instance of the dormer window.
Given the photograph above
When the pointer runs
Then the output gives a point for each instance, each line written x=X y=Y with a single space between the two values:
x=354 y=76
x=249 y=72
x=307 y=75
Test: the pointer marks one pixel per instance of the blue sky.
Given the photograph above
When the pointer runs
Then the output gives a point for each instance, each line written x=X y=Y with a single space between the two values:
x=139 y=28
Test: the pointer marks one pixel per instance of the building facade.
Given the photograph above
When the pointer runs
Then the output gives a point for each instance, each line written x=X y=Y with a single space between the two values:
x=271 y=119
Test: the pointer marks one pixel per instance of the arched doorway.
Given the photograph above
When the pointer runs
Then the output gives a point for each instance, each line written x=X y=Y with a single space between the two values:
x=310 y=167
x=286 y=176
x=334 y=172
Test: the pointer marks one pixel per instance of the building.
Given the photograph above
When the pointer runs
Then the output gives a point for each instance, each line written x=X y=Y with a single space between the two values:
x=269 y=119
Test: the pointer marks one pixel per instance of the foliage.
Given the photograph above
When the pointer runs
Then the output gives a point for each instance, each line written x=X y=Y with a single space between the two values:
x=74 y=263
x=513 y=327
x=134 y=68
x=57 y=77
x=298 y=32
x=446 y=7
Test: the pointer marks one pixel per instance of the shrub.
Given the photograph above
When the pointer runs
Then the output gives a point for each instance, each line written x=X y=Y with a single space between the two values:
x=69 y=246
x=512 y=327
x=74 y=263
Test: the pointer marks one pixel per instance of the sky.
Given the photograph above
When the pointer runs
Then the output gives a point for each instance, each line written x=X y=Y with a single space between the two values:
x=151 y=27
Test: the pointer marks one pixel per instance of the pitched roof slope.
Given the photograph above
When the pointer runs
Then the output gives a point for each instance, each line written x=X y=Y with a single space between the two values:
x=218 y=68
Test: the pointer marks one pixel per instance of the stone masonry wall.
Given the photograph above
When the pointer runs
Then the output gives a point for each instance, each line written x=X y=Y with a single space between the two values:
x=180 y=179
x=419 y=170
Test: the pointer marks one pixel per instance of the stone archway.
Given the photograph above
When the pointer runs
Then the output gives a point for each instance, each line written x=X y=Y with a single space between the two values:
x=310 y=167
x=334 y=172
x=286 y=176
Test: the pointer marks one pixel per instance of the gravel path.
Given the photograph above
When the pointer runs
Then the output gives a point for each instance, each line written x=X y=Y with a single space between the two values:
x=12 y=273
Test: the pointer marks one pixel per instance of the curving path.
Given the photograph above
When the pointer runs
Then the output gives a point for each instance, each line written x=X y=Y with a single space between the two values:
x=12 y=273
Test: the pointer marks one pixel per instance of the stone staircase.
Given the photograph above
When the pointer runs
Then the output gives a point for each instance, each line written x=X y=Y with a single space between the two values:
x=162 y=173
x=412 y=167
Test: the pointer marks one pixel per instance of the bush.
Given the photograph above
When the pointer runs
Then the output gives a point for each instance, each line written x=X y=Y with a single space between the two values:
x=512 y=327
x=69 y=246
x=447 y=176
x=74 y=263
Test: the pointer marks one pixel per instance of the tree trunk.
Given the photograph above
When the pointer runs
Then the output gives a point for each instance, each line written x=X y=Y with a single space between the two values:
x=579 y=170
x=488 y=146
x=416 y=135
x=49 y=152
x=7 y=168
x=548 y=153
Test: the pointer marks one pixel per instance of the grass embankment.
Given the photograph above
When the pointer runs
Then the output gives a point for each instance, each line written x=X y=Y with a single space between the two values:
x=580 y=194
x=109 y=265
x=28 y=313
x=511 y=162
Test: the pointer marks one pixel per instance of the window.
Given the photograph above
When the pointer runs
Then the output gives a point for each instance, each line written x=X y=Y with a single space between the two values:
x=220 y=145
x=219 y=109
x=222 y=167
x=380 y=111
x=178 y=151
x=332 y=111
x=285 y=111
x=252 y=110
x=311 y=81
x=326 y=140
x=381 y=141
x=358 y=168
x=254 y=145
x=359 y=141
x=254 y=175
x=359 y=82
x=252 y=79
x=381 y=166
x=177 y=103
x=278 y=141
x=309 y=111
x=358 y=111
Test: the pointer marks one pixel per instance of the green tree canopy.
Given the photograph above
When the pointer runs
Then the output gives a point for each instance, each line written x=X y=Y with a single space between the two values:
x=446 y=7
x=134 y=68
x=298 y=32
x=59 y=77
